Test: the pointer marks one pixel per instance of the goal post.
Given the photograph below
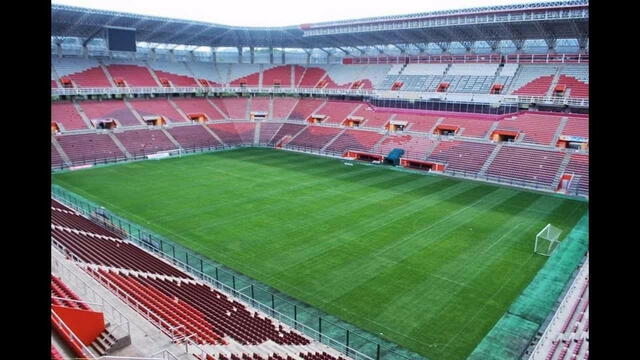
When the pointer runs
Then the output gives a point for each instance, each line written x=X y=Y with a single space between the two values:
x=547 y=240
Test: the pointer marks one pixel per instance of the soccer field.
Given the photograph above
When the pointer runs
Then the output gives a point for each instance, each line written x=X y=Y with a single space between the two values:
x=428 y=261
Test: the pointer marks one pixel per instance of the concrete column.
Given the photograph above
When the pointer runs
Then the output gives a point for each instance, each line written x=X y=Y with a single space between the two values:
x=240 y=54
x=251 y=54
x=309 y=58
x=59 y=49
x=85 y=52
x=214 y=56
x=270 y=54
x=283 y=58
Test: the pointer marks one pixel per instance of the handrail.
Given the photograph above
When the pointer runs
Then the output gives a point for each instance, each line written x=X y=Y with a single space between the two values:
x=118 y=292
x=73 y=337
x=110 y=312
x=372 y=93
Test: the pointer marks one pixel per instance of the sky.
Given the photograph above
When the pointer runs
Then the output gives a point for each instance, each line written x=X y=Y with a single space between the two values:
x=279 y=12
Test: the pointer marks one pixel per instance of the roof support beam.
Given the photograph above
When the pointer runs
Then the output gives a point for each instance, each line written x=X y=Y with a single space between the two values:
x=86 y=41
x=493 y=44
x=444 y=45
x=468 y=45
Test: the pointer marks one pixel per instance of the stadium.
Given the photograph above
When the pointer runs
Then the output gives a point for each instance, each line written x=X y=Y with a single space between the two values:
x=400 y=187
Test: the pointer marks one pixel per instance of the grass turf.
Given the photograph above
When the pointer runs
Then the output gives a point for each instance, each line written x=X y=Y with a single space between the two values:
x=428 y=261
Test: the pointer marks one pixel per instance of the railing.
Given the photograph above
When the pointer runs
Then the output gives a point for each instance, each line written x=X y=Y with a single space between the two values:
x=140 y=308
x=91 y=297
x=321 y=327
x=376 y=94
x=208 y=90
x=471 y=59
x=71 y=335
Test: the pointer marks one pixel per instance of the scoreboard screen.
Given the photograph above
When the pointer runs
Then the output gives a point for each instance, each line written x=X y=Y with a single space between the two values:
x=121 y=39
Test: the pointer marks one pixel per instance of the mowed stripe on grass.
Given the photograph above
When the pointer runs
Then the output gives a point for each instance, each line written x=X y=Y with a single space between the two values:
x=430 y=262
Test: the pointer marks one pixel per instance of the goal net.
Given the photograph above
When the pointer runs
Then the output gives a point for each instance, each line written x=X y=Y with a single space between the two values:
x=547 y=240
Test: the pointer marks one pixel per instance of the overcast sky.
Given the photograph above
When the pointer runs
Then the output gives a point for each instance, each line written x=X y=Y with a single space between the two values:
x=279 y=12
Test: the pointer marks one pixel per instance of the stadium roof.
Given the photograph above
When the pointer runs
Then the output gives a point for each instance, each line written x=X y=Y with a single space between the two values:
x=549 y=21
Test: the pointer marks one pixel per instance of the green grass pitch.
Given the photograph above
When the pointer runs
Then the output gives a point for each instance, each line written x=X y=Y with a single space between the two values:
x=429 y=261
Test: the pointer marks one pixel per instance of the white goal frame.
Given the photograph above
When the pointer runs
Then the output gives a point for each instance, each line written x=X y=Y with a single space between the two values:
x=547 y=240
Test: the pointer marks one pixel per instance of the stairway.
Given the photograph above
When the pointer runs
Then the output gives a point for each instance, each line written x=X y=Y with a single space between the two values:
x=512 y=81
x=152 y=73
x=224 y=80
x=435 y=126
x=171 y=138
x=431 y=149
x=177 y=108
x=193 y=75
x=298 y=133
x=494 y=126
x=275 y=133
x=134 y=112
x=290 y=111
x=293 y=76
x=561 y=169
x=376 y=147
x=563 y=122
x=260 y=75
x=333 y=140
x=490 y=159
x=248 y=110
x=119 y=144
x=106 y=73
x=554 y=82
x=213 y=134
x=256 y=134
x=402 y=69
x=301 y=77
x=270 y=114
x=63 y=155
x=55 y=75
x=217 y=108
x=103 y=343
x=353 y=112
x=84 y=116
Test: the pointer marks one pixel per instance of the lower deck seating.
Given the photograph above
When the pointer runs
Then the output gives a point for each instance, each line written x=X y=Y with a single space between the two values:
x=282 y=108
x=198 y=106
x=356 y=140
x=234 y=133
x=145 y=141
x=267 y=131
x=161 y=107
x=195 y=136
x=415 y=147
x=476 y=128
x=65 y=113
x=70 y=219
x=539 y=166
x=576 y=127
x=337 y=111
x=319 y=356
x=63 y=296
x=56 y=159
x=286 y=130
x=110 y=109
x=178 y=318
x=537 y=128
x=305 y=108
x=83 y=148
x=579 y=167
x=314 y=137
x=80 y=238
x=236 y=108
x=462 y=155
x=229 y=317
